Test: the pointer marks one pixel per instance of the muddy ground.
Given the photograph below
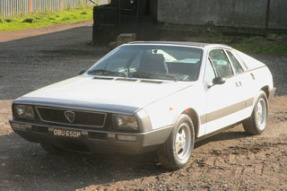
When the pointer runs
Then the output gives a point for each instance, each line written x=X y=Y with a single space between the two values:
x=231 y=160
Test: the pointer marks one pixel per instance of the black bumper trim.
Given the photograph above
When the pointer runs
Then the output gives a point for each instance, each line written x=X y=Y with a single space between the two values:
x=94 y=141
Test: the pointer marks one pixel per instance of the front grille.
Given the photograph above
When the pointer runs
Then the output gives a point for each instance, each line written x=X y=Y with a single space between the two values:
x=81 y=118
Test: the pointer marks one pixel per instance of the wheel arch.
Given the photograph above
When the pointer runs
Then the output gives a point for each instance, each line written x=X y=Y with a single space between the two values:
x=265 y=89
x=195 y=119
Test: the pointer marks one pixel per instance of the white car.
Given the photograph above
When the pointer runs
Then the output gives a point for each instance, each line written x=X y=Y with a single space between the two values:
x=146 y=96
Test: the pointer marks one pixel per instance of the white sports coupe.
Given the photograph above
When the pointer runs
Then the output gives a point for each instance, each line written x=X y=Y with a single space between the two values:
x=147 y=96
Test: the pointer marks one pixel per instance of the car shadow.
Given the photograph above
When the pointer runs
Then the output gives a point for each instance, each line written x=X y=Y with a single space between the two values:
x=223 y=136
x=26 y=166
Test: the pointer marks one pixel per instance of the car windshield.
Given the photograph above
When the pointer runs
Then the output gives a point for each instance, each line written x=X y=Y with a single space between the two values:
x=163 y=62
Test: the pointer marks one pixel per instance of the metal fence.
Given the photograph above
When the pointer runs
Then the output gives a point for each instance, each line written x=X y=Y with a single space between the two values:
x=9 y=8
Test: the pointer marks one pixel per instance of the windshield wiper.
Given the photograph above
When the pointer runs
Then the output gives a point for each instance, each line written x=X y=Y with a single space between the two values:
x=106 y=72
x=153 y=76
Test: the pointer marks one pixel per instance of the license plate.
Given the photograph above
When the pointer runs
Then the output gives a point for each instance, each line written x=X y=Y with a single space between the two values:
x=67 y=133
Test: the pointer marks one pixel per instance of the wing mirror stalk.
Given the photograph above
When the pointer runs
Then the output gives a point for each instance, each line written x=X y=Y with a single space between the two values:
x=217 y=81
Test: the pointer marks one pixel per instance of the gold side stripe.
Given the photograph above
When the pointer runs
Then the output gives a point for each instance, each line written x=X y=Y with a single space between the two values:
x=226 y=111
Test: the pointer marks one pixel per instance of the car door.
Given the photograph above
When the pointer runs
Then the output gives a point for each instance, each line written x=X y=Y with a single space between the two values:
x=246 y=83
x=222 y=100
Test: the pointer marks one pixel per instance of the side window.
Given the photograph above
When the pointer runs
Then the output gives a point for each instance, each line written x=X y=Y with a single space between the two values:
x=221 y=63
x=237 y=67
x=209 y=72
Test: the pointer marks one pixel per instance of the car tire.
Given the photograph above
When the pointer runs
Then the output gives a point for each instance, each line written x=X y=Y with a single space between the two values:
x=176 y=151
x=51 y=149
x=256 y=124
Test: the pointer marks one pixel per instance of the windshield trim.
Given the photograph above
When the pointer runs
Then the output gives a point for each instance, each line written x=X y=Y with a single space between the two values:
x=106 y=56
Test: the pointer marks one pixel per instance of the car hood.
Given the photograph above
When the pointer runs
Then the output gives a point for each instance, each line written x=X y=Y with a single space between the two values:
x=106 y=94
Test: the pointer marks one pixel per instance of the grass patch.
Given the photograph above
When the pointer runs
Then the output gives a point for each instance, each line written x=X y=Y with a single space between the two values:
x=37 y=20
x=262 y=46
x=253 y=45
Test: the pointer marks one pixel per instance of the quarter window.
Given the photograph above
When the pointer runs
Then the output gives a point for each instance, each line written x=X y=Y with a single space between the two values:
x=221 y=63
x=237 y=67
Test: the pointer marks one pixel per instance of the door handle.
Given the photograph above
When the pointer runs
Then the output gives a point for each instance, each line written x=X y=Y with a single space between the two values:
x=238 y=84
x=252 y=76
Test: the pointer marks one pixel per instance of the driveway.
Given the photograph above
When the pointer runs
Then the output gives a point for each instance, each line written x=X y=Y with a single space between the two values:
x=231 y=160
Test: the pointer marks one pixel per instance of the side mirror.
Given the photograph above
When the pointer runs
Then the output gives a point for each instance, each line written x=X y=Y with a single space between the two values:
x=217 y=81
x=81 y=72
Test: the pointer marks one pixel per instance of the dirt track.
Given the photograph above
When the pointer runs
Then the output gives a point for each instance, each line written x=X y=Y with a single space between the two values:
x=228 y=161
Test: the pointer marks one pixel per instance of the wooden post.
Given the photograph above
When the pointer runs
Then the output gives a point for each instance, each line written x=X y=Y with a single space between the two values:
x=138 y=10
x=61 y=4
x=119 y=11
x=30 y=6
x=267 y=15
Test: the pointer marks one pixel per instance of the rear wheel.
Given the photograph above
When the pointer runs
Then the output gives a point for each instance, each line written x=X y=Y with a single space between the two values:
x=256 y=124
x=176 y=152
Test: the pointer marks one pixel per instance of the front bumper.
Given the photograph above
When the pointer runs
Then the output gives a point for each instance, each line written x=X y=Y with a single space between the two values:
x=93 y=141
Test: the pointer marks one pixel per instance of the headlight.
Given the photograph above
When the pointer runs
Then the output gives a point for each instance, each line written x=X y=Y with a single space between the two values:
x=24 y=112
x=125 y=122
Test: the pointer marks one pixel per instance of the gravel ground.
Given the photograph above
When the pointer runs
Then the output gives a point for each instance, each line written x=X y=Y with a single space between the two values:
x=228 y=161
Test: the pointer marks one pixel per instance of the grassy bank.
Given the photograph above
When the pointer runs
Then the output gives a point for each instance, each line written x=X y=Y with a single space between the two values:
x=37 y=20
x=262 y=46
x=276 y=45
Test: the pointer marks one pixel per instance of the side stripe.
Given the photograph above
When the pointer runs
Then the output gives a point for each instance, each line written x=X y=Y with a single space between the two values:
x=226 y=111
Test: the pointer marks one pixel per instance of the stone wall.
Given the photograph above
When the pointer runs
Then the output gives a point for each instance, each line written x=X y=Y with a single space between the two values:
x=230 y=13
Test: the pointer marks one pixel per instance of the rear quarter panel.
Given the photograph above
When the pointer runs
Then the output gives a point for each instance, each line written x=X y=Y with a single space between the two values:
x=262 y=75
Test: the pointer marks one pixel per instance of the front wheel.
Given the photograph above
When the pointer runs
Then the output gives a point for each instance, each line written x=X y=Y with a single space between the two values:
x=256 y=124
x=176 y=151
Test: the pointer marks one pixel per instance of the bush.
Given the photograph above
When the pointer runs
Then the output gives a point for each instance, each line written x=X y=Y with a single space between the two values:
x=8 y=20
x=28 y=20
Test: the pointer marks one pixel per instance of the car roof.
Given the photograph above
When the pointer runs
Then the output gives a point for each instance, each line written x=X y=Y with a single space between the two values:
x=179 y=43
